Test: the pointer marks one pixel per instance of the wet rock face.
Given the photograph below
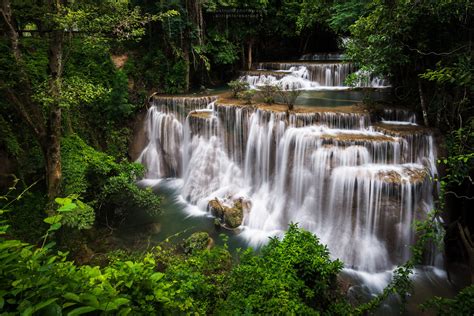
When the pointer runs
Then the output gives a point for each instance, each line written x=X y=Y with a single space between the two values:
x=229 y=216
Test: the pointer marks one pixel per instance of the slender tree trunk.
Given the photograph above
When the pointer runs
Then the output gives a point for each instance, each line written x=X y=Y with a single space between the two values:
x=423 y=104
x=187 y=62
x=306 y=42
x=47 y=130
x=249 y=55
x=244 y=62
x=52 y=148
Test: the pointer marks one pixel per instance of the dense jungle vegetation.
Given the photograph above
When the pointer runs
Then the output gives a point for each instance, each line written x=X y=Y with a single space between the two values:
x=74 y=75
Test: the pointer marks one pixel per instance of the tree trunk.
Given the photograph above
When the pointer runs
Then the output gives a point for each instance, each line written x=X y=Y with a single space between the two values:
x=423 y=104
x=242 y=50
x=249 y=55
x=188 y=66
x=47 y=130
x=53 y=145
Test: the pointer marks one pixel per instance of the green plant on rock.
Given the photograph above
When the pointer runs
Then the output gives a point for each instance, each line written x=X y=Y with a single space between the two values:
x=197 y=241
x=289 y=96
x=268 y=92
x=247 y=96
x=237 y=86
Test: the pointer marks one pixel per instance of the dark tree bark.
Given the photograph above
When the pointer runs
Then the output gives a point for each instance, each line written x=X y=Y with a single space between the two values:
x=53 y=144
x=249 y=54
x=46 y=128
x=424 y=109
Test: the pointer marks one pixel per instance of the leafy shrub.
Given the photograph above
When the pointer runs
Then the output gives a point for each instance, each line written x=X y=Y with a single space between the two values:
x=197 y=241
x=268 y=93
x=247 y=95
x=289 y=96
x=119 y=106
x=121 y=195
x=237 y=86
x=292 y=276
x=81 y=217
x=103 y=183
x=461 y=304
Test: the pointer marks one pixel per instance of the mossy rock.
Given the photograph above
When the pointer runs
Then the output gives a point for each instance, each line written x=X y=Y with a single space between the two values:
x=197 y=241
x=229 y=217
x=233 y=216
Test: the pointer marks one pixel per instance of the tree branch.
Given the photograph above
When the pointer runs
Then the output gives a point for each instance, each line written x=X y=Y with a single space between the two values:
x=460 y=196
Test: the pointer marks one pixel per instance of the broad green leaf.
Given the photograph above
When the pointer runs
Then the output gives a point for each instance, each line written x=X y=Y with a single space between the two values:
x=63 y=201
x=81 y=310
x=67 y=207
x=53 y=219
x=125 y=311
x=72 y=297
x=54 y=227
x=156 y=276
x=37 y=307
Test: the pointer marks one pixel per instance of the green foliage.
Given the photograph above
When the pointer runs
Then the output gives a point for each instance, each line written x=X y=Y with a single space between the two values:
x=312 y=12
x=237 y=86
x=289 y=96
x=460 y=73
x=119 y=104
x=102 y=182
x=459 y=161
x=158 y=71
x=345 y=13
x=8 y=139
x=461 y=304
x=268 y=92
x=395 y=39
x=223 y=51
x=247 y=96
x=292 y=276
x=122 y=194
x=83 y=167
x=195 y=242
x=75 y=213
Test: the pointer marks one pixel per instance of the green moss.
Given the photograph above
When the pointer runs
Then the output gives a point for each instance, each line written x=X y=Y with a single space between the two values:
x=197 y=241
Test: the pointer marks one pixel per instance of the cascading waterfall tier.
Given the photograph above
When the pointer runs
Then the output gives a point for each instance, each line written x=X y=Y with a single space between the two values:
x=357 y=184
x=164 y=128
x=309 y=75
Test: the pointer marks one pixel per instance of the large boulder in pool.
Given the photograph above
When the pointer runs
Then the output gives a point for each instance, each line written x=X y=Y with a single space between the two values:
x=229 y=216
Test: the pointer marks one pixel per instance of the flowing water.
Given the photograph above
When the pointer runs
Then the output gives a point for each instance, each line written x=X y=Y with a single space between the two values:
x=355 y=180
x=310 y=75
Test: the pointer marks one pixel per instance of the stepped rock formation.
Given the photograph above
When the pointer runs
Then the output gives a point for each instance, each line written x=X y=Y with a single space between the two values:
x=322 y=74
x=356 y=183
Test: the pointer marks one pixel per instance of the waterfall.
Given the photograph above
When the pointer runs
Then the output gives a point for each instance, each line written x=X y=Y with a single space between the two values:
x=355 y=183
x=309 y=75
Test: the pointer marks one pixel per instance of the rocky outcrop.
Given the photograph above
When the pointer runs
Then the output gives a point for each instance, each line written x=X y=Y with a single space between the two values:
x=197 y=241
x=138 y=139
x=229 y=216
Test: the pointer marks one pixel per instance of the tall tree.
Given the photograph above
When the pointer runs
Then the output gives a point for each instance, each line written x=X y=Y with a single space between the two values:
x=40 y=103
